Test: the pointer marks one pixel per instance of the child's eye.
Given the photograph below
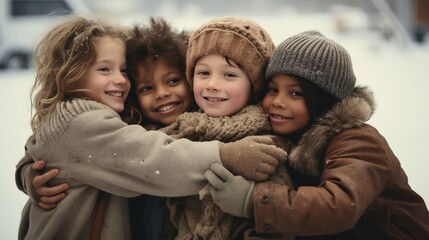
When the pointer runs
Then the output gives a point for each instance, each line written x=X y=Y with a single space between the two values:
x=202 y=73
x=296 y=94
x=124 y=72
x=230 y=75
x=144 y=90
x=174 y=81
x=272 y=90
x=103 y=69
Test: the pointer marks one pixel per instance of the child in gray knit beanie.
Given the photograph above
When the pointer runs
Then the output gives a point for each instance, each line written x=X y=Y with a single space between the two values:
x=349 y=184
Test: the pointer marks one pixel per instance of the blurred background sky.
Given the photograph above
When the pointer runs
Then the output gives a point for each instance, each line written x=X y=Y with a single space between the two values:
x=387 y=40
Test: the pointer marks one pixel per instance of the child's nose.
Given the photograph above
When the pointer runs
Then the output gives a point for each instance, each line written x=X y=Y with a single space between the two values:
x=120 y=78
x=162 y=92
x=279 y=102
x=213 y=83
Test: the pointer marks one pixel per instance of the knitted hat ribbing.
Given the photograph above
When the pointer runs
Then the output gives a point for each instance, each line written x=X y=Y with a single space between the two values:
x=320 y=60
x=241 y=40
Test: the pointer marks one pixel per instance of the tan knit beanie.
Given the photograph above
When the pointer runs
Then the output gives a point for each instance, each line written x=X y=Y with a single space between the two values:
x=241 y=40
x=320 y=60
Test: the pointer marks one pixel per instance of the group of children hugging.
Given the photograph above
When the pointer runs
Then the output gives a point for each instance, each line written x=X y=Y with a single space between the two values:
x=146 y=132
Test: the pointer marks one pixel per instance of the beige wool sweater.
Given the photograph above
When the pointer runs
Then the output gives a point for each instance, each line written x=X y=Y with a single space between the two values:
x=94 y=149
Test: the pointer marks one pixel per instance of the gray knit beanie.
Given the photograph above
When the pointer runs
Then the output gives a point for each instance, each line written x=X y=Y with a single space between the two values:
x=242 y=40
x=318 y=59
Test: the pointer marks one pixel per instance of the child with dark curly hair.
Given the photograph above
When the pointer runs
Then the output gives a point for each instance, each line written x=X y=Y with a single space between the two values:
x=156 y=60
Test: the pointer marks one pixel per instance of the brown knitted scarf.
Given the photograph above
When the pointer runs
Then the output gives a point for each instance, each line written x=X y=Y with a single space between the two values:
x=202 y=219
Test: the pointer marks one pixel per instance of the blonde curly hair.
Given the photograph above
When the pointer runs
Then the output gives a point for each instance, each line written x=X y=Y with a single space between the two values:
x=62 y=57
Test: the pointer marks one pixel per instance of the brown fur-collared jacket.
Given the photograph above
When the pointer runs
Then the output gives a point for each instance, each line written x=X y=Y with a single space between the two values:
x=360 y=189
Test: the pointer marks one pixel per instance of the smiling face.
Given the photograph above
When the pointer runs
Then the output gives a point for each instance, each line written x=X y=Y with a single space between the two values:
x=285 y=105
x=106 y=80
x=163 y=92
x=221 y=87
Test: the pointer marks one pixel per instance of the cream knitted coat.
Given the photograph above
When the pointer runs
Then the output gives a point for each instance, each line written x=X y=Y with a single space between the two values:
x=202 y=219
x=95 y=149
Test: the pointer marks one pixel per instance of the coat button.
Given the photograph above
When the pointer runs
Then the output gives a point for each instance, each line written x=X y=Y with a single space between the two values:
x=267 y=227
x=265 y=199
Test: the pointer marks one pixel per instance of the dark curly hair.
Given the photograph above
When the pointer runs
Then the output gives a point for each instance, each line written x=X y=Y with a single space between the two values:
x=148 y=43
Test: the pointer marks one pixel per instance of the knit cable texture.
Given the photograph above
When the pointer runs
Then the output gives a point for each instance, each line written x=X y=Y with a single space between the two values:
x=202 y=219
x=56 y=124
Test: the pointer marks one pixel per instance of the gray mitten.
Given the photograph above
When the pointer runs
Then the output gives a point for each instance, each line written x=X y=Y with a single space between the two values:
x=254 y=157
x=230 y=193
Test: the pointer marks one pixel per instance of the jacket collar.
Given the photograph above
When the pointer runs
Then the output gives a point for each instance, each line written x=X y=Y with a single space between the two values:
x=351 y=112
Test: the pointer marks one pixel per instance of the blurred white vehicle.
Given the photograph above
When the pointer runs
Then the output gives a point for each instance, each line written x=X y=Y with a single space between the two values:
x=24 y=22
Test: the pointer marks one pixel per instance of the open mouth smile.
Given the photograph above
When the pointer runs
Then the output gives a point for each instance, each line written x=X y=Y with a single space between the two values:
x=277 y=117
x=167 y=107
x=115 y=94
x=212 y=99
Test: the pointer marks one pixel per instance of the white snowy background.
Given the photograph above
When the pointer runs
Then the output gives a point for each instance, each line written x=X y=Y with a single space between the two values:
x=396 y=71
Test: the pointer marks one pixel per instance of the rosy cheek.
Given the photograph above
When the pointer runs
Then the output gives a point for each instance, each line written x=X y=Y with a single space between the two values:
x=265 y=104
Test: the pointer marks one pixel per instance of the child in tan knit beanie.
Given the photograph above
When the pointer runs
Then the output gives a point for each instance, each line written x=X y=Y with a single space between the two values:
x=226 y=62
x=241 y=42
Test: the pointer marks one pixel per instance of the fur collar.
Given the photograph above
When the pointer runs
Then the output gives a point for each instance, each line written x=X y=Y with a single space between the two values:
x=351 y=112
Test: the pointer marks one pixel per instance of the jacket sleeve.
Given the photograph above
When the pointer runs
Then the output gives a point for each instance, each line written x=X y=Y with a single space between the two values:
x=358 y=163
x=126 y=160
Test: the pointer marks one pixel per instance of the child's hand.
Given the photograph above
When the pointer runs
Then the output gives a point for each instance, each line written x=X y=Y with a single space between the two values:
x=46 y=197
x=232 y=194
x=255 y=157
